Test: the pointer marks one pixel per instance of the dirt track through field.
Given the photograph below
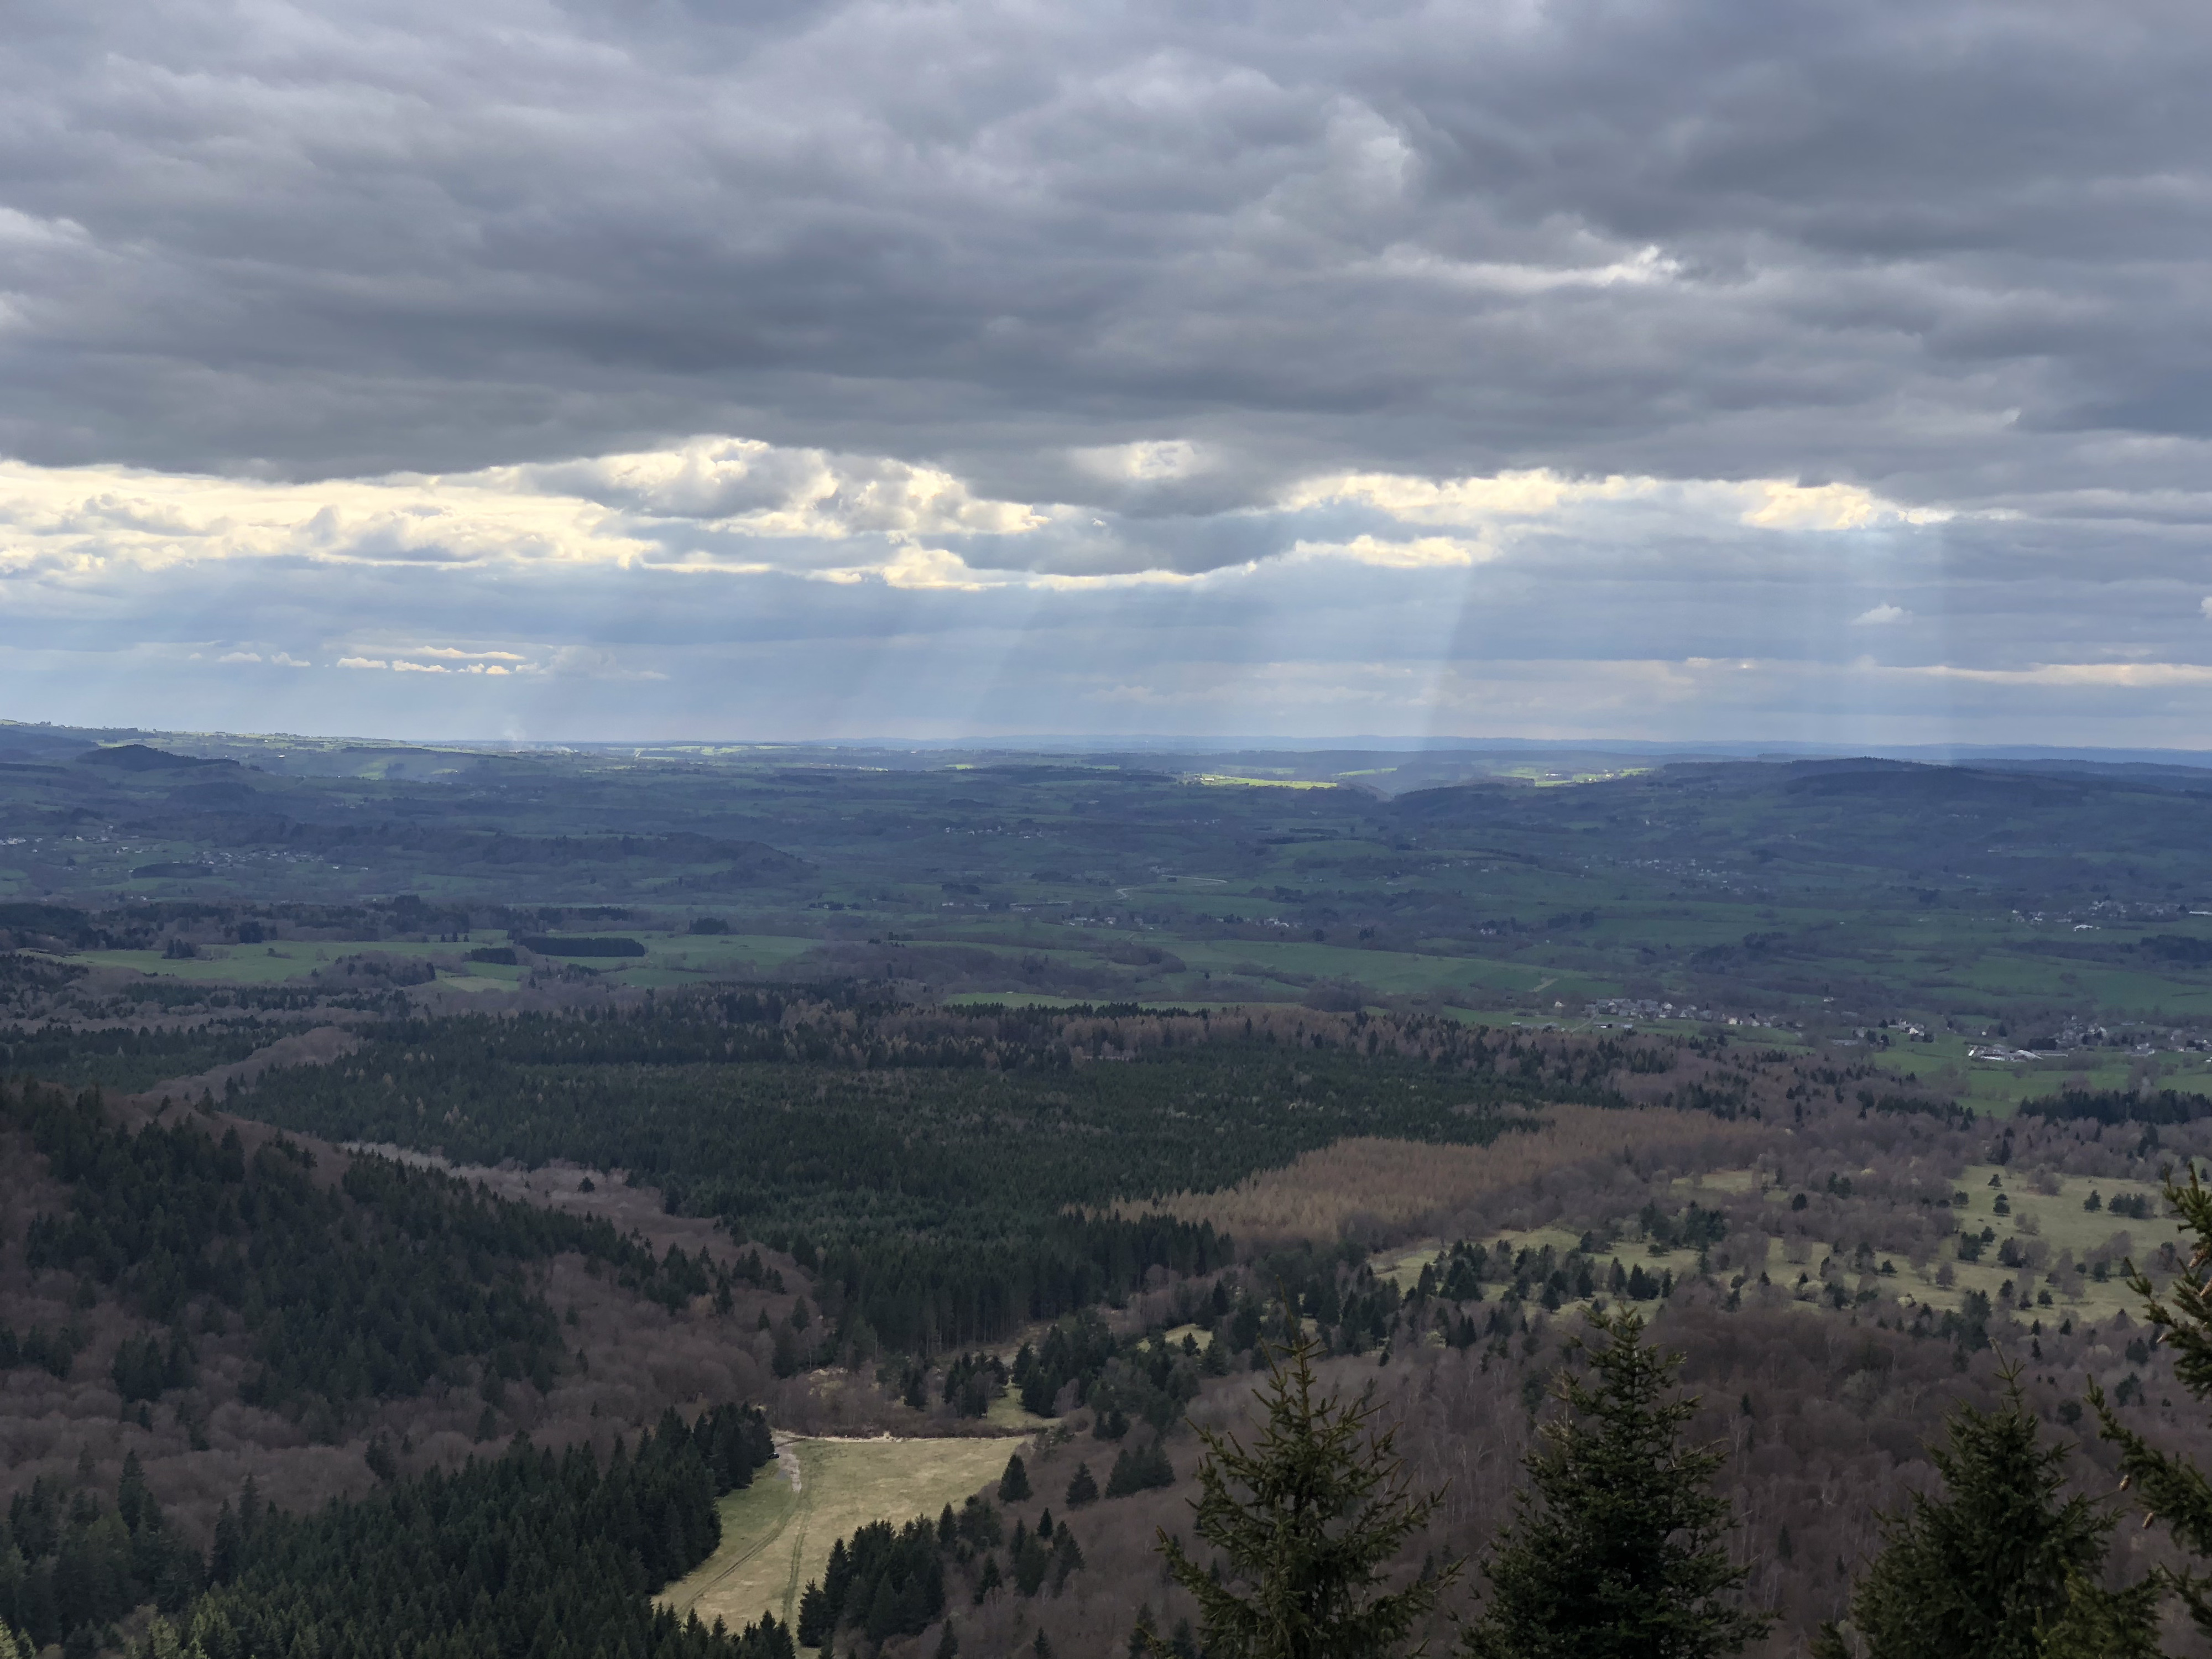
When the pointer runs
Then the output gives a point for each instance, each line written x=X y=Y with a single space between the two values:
x=717 y=1570
x=777 y=1532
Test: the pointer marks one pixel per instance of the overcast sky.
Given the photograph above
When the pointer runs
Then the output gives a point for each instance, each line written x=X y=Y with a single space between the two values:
x=1815 y=369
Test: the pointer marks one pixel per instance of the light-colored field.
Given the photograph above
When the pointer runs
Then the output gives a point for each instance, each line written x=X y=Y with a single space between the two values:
x=1403 y=1268
x=1997 y=1090
x=2058 y=1218
x=1386 y=970
x=670 y=959
x=1007 y=1413
x=258 y=964
x=686 y=959
x=754 y=1522
x=1404 y=1183
x=775 y=1541
x=2061 y=1222
x=473 y=983
x=1036 y=999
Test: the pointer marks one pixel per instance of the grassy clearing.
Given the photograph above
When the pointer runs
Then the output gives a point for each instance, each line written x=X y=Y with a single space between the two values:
x=1998 y=1089
x=1404 y=1268
x=257 y=964
x=753 y=1520
x=687 y=956
x=1393 y=971
x=770 y=1554
x=670 y=959
x=1007 y=1413
x=473 y=983
x=2057 y=1217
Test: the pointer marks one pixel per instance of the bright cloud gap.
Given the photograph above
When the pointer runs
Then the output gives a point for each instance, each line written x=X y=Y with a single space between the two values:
x=724 y=584
x=740 y=506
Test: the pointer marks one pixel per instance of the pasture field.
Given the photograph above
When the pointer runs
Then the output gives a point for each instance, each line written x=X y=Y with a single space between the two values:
x=1829 y=893
x=2057 y=1217
x=1006 y=1412
x=754 y=1520
x=1997 y=1090
x=676 y=959
x=774 y=1544
x=671 y=959
x=1395 y=972
x=275 y=963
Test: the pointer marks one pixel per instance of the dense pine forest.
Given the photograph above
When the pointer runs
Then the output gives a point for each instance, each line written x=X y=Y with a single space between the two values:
x=771 y=1108
x=124 y=1058
x=946 y=1169
x=368 y=1290
x=525 y=1553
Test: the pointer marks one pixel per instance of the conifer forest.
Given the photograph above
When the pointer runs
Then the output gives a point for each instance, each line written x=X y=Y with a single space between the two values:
x=712 y=1203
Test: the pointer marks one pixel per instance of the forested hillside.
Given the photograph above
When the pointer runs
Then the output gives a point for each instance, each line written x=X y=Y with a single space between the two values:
x=1824 y=894
x=525 y=1553
x=1840 y=1277
x=949 y=1168
x=1836 y=1303
x=414 y=1184
x=192 y=1307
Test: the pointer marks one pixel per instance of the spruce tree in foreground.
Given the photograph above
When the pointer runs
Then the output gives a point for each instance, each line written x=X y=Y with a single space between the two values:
x=1614 y=1551
x=2000 y=1565
x=1308 y=1522
x=2170 y=1488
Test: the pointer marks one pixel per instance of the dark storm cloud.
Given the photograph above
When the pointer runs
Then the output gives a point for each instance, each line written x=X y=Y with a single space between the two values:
x=1955 y=250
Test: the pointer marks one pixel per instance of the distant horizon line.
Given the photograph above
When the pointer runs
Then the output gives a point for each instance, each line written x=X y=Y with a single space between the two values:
x=1743 y=747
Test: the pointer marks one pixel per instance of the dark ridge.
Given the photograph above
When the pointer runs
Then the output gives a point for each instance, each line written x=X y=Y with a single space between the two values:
x=138 y=758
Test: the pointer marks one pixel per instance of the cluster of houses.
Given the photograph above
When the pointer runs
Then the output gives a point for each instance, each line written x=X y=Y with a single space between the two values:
x=1606 y=1010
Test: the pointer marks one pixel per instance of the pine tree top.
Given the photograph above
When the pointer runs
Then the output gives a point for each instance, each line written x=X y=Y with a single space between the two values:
x=2170 y=1487
x=1308 y=1521
x=1615 y=1549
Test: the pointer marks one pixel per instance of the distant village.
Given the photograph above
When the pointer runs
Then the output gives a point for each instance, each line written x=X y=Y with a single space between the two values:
x=2129 y=1038
x=2133 y=1037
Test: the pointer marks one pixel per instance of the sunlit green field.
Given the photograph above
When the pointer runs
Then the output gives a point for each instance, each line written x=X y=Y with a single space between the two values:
x=263 y=964
x=670 y=959
x=775 y=1541
x=2057 y=1217
x=1928 y=893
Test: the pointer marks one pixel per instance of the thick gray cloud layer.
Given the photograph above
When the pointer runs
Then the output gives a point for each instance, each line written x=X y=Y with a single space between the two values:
x=1948 y=246
x=1094 y=295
